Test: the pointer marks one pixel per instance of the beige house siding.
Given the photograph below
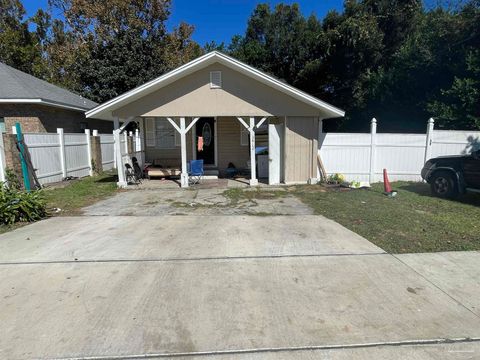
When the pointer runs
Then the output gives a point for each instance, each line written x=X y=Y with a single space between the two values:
x=240 y=95
x=40 y=118
x=301 y=147
x=229 y=146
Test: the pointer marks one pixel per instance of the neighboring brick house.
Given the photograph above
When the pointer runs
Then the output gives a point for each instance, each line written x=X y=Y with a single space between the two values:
x=42 y=107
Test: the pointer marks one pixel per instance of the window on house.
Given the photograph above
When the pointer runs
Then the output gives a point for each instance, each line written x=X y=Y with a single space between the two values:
x=164 y=134
x=215 y=79
x=83 y=126
x=3 y=129
x=244 y=136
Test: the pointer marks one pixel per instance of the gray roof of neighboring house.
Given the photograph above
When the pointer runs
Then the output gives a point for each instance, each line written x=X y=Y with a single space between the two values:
x=15 y=84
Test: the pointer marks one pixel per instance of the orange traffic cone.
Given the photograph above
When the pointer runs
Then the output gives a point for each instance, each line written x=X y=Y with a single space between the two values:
x=386 y=183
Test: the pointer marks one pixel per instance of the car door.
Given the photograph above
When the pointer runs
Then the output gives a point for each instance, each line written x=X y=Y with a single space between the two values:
x=471 y=170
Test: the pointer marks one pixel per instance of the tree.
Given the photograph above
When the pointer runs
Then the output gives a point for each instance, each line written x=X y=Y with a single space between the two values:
x=103 y=49
x=18 y=46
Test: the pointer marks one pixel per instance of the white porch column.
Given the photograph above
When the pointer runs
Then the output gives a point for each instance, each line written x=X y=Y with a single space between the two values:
x=183 y=144
x=116 y=126
x=253 y=166
x=118 y=160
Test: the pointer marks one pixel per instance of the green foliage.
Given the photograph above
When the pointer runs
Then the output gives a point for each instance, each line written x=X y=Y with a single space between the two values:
x=394 y=60
x=20 y=206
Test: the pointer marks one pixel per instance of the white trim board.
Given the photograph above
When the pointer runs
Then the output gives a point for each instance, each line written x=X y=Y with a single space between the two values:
x=42 y=102
x=104 y=111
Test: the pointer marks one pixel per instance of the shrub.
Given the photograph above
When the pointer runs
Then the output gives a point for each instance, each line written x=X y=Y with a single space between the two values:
x=20 y=206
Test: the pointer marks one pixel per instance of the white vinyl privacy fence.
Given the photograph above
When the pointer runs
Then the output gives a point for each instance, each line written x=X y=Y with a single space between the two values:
x=362 y=157
x=107 y=144
x=56 y=156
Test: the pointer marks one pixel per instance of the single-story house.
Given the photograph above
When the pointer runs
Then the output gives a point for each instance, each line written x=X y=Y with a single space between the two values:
x=213 y=108
x=42 y=107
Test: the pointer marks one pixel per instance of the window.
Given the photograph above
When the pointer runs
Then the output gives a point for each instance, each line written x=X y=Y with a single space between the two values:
x=244 y=136
x=2 y=125
x=83 y=126
x=164 y=134
x=215 y=79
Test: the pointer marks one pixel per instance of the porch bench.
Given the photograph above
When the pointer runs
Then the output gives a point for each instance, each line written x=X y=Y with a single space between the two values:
x=164 y=168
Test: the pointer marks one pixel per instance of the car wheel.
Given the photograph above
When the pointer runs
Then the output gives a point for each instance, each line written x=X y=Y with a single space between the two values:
x=443 y=184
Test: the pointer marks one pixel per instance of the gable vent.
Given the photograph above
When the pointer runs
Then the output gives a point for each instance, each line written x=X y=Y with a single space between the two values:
x=215 y=79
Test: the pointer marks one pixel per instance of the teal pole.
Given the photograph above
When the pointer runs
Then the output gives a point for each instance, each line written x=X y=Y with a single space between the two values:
x=26 y=177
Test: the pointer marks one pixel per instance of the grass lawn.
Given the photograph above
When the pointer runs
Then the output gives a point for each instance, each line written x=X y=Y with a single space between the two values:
x=70 y=199
x=414 y=221
x=75 y=195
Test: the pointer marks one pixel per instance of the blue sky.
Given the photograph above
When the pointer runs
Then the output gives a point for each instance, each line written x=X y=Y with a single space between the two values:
x=218 y=20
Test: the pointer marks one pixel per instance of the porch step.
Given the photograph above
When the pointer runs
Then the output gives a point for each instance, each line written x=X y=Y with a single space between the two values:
x=211 y=173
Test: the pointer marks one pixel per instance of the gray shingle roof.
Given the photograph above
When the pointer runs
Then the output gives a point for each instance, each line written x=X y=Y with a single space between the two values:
x=15 y=84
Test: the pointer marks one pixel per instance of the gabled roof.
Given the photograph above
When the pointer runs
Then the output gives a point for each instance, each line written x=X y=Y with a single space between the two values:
x=19 y=87
x=104 y=111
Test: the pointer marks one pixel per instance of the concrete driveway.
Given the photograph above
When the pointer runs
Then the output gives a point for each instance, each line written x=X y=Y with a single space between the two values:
x=229 y=287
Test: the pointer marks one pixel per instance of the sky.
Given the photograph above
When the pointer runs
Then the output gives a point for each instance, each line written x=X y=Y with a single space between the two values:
x=218 y=20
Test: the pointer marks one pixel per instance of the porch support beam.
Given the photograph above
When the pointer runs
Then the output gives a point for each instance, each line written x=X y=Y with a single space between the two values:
x=194 y=121
x=253 y=166
x=174 y=124
x=183 y=144
x=251 y=129
x=261 y=122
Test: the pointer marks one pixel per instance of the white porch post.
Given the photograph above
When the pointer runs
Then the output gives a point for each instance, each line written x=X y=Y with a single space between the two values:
x=118 y=160
x=183 y=144
x=116 y=126
x=253 y=166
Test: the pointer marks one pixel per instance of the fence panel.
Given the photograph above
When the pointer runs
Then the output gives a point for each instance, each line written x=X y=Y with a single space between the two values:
x=44 y=152
x=447 y=142
x=108 y=150
x=402 y=154
x=76 y=155
x=347 y=154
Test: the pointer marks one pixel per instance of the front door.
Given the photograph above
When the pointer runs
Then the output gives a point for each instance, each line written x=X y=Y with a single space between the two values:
x=205 y=140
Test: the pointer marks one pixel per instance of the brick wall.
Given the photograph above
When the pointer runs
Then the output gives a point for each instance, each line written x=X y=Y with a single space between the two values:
x=12 y=158
x=40 y=118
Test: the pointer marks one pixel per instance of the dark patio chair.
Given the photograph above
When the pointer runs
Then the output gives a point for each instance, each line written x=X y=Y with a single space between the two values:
x=130 y=176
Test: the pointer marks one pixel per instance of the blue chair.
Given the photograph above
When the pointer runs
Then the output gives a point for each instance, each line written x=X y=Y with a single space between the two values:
x=195 y=171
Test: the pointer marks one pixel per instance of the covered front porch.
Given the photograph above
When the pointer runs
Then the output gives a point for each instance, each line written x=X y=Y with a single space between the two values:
x=228 y=146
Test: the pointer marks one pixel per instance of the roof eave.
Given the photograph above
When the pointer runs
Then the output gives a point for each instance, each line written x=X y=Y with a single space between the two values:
x=43 y=102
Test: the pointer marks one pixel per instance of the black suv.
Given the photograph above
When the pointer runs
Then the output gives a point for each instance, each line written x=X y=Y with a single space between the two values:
x=450 y=175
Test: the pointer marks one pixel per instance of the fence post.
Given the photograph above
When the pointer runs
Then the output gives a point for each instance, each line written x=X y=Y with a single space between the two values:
x=89 y=152
x=3 y=162
x=63 y=160
x=125 y=135
x=95 y=133
x=428 y=144
x=373 y=149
